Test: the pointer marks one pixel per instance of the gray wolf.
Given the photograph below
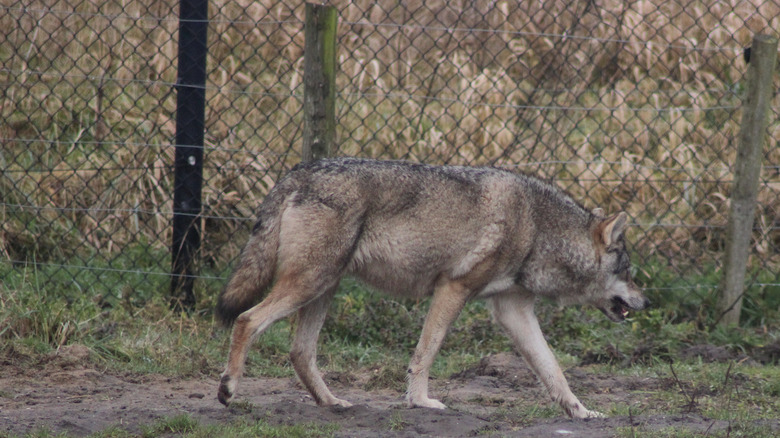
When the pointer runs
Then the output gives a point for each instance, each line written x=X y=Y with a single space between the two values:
x=449 y=233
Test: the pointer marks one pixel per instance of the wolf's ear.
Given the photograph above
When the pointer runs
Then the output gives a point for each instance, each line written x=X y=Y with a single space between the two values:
x=610 y=229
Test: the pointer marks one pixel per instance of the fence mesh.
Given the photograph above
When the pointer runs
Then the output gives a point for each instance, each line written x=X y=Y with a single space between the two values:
x=629 y=106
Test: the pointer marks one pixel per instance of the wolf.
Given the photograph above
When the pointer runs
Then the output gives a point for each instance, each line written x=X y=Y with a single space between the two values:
x=450 y=233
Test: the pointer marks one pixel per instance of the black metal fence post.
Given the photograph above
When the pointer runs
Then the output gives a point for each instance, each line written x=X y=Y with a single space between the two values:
x=188 y=161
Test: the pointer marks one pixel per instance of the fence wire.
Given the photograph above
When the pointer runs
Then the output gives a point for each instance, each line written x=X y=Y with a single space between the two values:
x=630 y=106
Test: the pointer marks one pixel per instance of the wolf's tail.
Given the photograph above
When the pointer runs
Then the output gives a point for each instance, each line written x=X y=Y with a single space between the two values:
x=257 y=265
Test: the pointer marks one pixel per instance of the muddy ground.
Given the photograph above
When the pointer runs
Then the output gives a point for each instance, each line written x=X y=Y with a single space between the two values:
x=64 y=395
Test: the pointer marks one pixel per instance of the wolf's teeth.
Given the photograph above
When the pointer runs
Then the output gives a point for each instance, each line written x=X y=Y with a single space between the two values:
x=625 y=313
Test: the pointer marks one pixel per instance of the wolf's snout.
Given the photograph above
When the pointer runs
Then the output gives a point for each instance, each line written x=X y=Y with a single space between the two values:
x=618 y=307
x=637 y=303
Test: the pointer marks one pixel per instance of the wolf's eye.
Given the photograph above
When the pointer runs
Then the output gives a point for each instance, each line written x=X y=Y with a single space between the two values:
x=621 y=264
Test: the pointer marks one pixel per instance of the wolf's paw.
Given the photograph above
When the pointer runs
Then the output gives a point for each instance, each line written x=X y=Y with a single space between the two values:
x=225 y=393
x=577 y=410
x=339 y=402
x=426 y=403
x=593 y=414
x=330 y=400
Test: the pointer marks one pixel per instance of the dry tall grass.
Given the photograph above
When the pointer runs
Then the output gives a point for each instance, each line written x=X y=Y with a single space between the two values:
x=629 y=105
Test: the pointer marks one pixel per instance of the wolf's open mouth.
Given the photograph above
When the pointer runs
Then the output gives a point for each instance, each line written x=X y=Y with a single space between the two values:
x=619 y=308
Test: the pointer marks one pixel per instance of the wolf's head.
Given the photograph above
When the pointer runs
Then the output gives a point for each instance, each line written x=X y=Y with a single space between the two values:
x=615 y=292
x=584 y=262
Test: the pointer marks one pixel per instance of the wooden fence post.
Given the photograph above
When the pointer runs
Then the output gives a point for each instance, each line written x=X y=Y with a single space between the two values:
x=763 y=55
x=319 y=82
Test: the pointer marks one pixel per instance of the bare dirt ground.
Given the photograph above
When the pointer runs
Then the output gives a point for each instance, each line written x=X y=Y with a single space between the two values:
x=64 y=396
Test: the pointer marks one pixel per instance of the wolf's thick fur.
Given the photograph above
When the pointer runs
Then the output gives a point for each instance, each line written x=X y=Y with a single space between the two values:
x=452 y=233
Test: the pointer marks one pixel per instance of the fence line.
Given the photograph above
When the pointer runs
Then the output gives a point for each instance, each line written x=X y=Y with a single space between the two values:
x=401 y=96
x=135 y=144
x=539 y=107
x=223 y=278
x=563 y=36
x=530 y=164
x=123 y=210
x=54 y=171
x=686 y=171
x=645 y=225
x=117 y=270
x=234 y=90
x=147 y=82
x=111 y=17
x=725 y=91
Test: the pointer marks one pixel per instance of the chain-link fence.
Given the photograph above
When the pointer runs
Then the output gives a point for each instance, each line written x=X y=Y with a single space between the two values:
x=629 y=106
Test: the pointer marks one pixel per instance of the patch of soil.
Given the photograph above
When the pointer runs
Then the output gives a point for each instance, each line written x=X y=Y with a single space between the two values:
x=768 y=354
x=62 y=395
x=707 y=353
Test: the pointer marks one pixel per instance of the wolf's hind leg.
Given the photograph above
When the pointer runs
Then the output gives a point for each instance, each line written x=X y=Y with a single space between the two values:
x=515 y=312
x=313 y=252
x=287 y=295
x=304 y=350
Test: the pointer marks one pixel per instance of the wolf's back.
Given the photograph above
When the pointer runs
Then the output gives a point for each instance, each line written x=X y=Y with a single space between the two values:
x=257 y=263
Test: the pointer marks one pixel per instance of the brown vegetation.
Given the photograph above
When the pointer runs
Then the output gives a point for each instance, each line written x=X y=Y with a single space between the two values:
x=629 y=105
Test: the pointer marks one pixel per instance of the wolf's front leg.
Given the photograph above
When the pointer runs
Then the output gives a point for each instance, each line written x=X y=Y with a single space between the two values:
x=448 y=300
x=514 y=310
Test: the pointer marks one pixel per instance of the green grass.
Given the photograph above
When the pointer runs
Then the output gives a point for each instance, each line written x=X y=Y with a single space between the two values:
x=737 y=430
x=185 y=426
x=722 y=391
x=180 y=424
x=133 y=328
x=263 y=429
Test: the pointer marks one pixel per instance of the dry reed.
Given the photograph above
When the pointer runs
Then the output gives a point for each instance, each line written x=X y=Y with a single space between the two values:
x=629 y=105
